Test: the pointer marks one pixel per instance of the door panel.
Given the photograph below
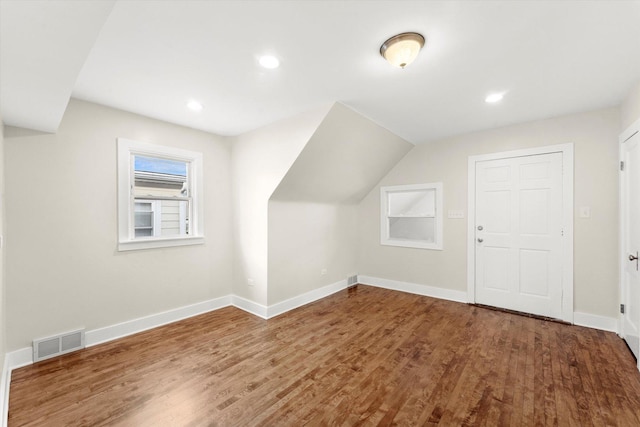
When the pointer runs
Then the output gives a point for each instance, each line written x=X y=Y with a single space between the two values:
x=519 y=234
x=496 y=267
x=534 y=205
x=631 y=237
x=497 y=204
x=534 y=272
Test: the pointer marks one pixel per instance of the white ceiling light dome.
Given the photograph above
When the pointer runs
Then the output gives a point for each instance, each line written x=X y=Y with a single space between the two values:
x=402 y=49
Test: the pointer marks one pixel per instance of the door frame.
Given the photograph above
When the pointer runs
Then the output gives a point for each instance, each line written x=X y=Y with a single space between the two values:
x=624 y=136
x=567 y=218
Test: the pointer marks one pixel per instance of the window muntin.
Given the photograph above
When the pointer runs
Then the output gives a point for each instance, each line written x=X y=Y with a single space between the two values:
x=411 y=216
x=159 y=196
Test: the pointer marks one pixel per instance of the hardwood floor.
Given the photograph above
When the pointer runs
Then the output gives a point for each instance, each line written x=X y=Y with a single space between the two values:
x=364 y=356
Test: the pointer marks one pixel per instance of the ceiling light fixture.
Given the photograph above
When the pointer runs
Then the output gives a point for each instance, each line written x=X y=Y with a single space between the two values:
x=402 y=50
x=194 y=105
x=493 y=98
x=268 y=61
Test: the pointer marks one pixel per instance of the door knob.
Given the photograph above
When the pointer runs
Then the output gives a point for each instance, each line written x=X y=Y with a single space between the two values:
x=633 y=257
x=480 y=240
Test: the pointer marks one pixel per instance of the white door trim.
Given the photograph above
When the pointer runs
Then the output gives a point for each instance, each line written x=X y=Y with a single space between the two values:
x=628 y=133
x=567 y=218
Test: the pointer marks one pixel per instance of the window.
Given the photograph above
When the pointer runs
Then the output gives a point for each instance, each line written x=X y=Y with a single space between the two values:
x=159 y=196
x=411 y=216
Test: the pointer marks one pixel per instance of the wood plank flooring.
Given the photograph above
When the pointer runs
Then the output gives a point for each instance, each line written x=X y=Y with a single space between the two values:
x=364 y=356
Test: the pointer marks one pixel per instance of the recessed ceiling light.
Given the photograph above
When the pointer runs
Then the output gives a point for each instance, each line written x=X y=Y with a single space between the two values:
x=493 y=98
x=194 y=105
x=268 y=61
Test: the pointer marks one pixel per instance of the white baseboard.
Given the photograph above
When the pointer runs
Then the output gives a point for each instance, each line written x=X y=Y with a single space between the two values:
x=12 y=360
x=306 y=298
x=250 y=306
x=5 y=382
x=19 y=358
x=594 y=321
x=267 y=312
x=130 y=327
x=414 y=288
x=24 y=356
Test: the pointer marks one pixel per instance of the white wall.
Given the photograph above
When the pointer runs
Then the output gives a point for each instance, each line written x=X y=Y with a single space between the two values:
x=63 y=269
x=3 y=323
x=596 y=178
x=304 y=239
x=260 y=159
x=630 y=108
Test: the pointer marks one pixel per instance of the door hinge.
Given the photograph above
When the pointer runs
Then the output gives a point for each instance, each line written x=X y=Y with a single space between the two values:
x=621 y=166
x=622 y=308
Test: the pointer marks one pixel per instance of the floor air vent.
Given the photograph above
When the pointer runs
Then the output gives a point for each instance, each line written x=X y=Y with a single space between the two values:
x=46 y=348
x=352 y=280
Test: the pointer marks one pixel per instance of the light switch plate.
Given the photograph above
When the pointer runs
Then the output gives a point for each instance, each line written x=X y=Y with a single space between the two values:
x=455 y=214
x=585 y=212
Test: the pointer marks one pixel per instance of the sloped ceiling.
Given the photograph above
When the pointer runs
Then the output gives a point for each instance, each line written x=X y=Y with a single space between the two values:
x=344 y=159
x=43 y=47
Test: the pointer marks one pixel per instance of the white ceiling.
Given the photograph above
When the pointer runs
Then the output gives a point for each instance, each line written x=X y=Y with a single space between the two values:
x=151 y=57
x=43 y=46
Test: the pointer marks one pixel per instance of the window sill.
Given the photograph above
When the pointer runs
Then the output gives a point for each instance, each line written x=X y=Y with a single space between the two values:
x=134 y=245
x=412 y=244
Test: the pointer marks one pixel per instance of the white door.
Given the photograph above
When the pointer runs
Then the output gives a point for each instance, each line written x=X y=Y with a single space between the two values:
x=631 y=242
x=518 y=232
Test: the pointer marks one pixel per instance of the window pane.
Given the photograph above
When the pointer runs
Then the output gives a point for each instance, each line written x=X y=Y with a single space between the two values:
x=164 y=217
x=143 y=219
x=144 y=232
x=154 y=176
x=175 y=218
x=143 y=207
x=420 y=229
x=412 y=203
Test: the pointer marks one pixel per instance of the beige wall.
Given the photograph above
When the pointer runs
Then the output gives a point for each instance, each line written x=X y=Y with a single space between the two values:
x=304 y=239
x=3 y=322
x=313 y=212
x=260 y=160
x=63 y=268
x=630 y=108
x=594 y=135
x=345 y=157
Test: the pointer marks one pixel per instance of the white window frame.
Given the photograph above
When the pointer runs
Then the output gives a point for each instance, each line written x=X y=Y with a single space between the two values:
x=385 y=239
x=127 y=149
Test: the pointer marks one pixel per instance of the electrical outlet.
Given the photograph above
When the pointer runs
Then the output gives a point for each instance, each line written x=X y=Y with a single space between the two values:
x=323 y=272
x=250 y=282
